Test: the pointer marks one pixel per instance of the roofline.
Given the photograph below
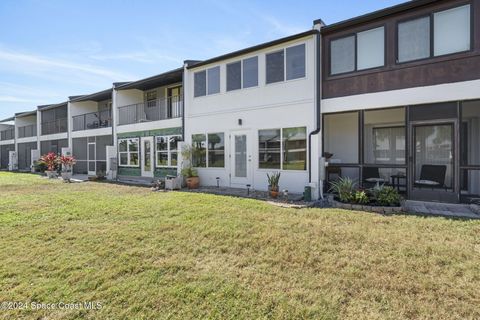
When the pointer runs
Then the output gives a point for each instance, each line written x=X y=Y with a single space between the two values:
x=132 y=84
x=51 y=106
x=25 y=114
x=254 y=48
x=376 y=15
x=87 y=96
x=7 y=120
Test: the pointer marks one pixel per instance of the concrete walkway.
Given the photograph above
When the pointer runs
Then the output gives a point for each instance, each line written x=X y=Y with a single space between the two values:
x=443 y=209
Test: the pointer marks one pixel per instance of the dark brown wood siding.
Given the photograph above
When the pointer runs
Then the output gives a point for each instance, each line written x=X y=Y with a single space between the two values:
x=438 y=70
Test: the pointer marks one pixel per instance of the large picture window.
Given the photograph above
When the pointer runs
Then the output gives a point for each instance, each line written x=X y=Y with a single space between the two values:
x=291 y=60
x=451 y=33
x=167 y=151
x=283 y=149
x=363 y=50
x=206 y=82
x=208 y=150
x=242 y=74
x=128 y=152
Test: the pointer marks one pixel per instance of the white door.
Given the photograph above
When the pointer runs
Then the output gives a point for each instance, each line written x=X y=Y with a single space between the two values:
x=147 y=157
x=91 y=156
x=240 y=159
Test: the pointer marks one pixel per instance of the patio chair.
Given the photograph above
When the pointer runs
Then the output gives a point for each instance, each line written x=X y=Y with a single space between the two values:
x=371 y=176
x=432 y=176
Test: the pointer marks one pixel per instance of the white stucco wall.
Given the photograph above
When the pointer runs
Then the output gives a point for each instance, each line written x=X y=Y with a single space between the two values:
x=268 y=106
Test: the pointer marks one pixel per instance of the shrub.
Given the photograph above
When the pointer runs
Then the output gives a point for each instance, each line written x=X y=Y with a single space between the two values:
x=51 y=160
x=344 y=188
x=39 y=166
x=189 y=172
x=361 y=197
x=386 y=195
x=274 y=181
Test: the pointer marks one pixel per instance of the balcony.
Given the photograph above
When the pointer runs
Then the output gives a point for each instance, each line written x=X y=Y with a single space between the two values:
x=154 y=110
x=93 y=120
x=27 y=131
x=8 y=134
x=56 y=126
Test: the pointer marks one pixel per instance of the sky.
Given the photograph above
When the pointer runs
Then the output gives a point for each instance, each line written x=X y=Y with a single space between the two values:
x=52 y=49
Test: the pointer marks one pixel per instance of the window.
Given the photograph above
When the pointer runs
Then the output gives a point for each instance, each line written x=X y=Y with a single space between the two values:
x=167 y=151
x=452 y=30
x=371 y=49
x=151 y=97
x=291 y=59
x=200 y=83
x=384 y=136
x=206 y=82
x=213 y=82
x=283 y=149
x=275 y=67
x=295 y=61
x=208 y=150
x=269 y=148
x=234 y=76
x=360 y=51
x=250 y=72
x=451 y=33
x=216 y=150
x=294 y=148
x=128 y=152
x=242 y=74
x=414 y=39
x=199 y=155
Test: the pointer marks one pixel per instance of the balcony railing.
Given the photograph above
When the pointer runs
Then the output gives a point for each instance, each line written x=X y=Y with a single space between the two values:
x=57 y=126
x=27 y=131
x=8 y=134
x=154 y=110
x=93 y=120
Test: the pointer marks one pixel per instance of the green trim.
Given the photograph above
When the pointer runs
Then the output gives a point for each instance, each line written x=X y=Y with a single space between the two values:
x=151 y=133
x=162 y=172
x=133 y=172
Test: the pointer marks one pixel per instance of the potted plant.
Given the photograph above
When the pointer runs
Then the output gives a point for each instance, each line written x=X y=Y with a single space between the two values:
x=188 y=172
x=191 y=178
x=273 y=184
x=67 y=163
x=51 y=161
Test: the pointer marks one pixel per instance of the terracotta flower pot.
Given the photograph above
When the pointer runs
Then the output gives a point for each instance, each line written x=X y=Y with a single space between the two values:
x=274 y=194
x=193 y=182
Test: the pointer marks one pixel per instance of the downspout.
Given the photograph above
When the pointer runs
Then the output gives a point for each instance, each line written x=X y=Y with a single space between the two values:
x=185 y=64
x=318 y=24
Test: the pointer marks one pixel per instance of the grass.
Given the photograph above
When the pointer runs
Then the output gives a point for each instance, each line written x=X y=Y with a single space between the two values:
x=175 y=255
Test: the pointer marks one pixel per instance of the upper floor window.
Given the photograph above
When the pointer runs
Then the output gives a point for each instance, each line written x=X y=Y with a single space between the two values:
x=363 y=50
x=451 y=33
x=207 y=82
x=151 y=97
x=242 y=74
x=291 y=60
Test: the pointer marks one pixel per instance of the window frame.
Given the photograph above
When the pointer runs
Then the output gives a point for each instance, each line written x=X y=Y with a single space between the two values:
x=355 y=36
x=282 y=149
x=431 y=16
x=242 y=85
x=128 y=152
x=206 y=81
x=207 y=150
x=168 y=151
x=284 y=49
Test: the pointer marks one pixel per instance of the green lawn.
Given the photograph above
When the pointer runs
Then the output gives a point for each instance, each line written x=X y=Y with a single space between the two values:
x=146 y=255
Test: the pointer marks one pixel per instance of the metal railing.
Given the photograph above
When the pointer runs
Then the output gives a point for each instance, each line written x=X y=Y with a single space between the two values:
x=8 y=134
x=93 y=120
x=27 y=131
x=153 y=110
x=57 y=126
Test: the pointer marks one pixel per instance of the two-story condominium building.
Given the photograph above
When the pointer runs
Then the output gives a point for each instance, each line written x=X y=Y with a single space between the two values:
x=401 y=99
x=251 y=112
x=148 y=118
x=91 y=123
